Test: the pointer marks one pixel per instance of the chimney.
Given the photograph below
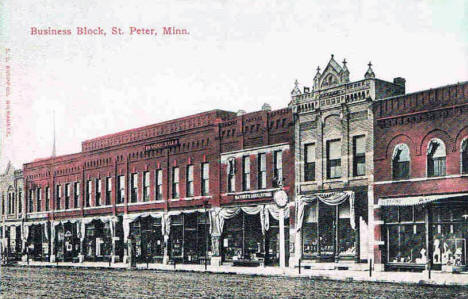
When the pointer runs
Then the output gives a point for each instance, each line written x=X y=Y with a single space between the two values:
x=266 y=107
x=400 y=81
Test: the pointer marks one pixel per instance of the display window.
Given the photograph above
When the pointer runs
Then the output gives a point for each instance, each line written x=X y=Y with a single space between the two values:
x=243 y=239
x=405 y=228
x=450 y=234
x=327 y=231
x=189 y=237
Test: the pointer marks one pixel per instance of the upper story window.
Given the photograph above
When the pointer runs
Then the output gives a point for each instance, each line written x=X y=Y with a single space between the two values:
x=76 y=194
x=67 y=196
x=159 y=184
x=309 y=162
x=121 y=189
x=175 y=182
x=333 y=159
x=146 y=186
x=189 y=182
x=38 y=199
x=464 y=156
x=20 y=202
x=108 y=190
x=205 y=178
x=58 y=196
x=98 y=192
x=401 y=162
x=3 y=203
x=30 y=201
x=88 y=193
x=231 y=175
x=134 y=187
x=246 y=173
x=359 y=155
x=435 y=158
x=277 y=169
x=11 y=203
x=261 y=171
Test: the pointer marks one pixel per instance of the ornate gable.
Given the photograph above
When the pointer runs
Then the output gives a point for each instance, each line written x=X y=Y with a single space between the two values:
x=333 y=74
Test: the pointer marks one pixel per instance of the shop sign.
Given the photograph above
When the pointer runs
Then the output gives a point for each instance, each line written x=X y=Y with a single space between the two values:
x=68 y=234
x=254 y=195
x=160 y=145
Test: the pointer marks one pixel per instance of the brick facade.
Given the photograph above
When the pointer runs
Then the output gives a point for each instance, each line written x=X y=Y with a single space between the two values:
x=414 y=120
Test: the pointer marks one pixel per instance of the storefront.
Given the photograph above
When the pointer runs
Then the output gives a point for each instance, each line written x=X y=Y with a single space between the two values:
x=11 y=241
x=425 y=231
x=249 y=235
x=146 y=233
x=36 y=236
x=67 y=241
x=98 y=238
x=327 y=227
x=189 y=237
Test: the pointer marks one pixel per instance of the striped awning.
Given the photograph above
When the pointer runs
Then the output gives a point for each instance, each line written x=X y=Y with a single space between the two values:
x=416 y=200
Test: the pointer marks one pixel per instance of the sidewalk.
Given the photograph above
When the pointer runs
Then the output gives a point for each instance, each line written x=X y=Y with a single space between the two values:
x=437 y=277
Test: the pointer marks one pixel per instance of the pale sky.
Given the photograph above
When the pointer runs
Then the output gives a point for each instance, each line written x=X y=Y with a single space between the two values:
x=239 y=55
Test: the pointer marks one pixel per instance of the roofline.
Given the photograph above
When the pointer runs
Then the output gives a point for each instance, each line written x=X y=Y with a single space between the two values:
x=419 y=91
x=151 y=125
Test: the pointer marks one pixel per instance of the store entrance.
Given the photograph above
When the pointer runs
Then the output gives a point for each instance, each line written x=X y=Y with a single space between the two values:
x=327 y=219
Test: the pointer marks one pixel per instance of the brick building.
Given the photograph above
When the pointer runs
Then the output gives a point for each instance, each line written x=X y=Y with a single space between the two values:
x=146 y=195
x=334 y=165
x=421 y=179
x=11 y=211
x=257 y=161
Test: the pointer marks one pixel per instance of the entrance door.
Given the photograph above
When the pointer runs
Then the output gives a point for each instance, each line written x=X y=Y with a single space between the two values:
x=327 y=216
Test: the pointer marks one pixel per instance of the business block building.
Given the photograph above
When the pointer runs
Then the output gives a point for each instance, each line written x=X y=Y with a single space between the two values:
x=334 y=142
x=350 y=174
x=421 y=179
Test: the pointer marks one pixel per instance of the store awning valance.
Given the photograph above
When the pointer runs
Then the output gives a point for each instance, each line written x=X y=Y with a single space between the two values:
x=416 y=200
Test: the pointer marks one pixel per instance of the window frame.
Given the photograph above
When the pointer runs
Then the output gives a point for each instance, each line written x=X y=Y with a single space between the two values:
x=309 y=167
x=359 y=158
x=277 y=168
x=205 y=178
x=189 y=180
x=431 y=162
x=146 y=186
x=158 y=194
x=333 y=164
x=175 y=178
x=246 y=173
x=261 y=171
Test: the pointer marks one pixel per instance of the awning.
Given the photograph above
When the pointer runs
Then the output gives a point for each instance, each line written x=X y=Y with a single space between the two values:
x=416 y=200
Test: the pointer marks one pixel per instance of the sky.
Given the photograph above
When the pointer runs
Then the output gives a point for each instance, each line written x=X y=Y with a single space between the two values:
x=237 y=55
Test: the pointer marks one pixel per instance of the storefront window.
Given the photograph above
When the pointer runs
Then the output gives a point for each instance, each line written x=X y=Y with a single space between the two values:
x=346 y=238
x=243 y=239
x=406 y=235
x=450 y=234
x=310 y=230
x=320 y=229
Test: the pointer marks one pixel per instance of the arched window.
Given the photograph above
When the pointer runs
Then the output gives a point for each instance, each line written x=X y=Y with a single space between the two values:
x=401 y=162
x=436 y=158
x=464 y=156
